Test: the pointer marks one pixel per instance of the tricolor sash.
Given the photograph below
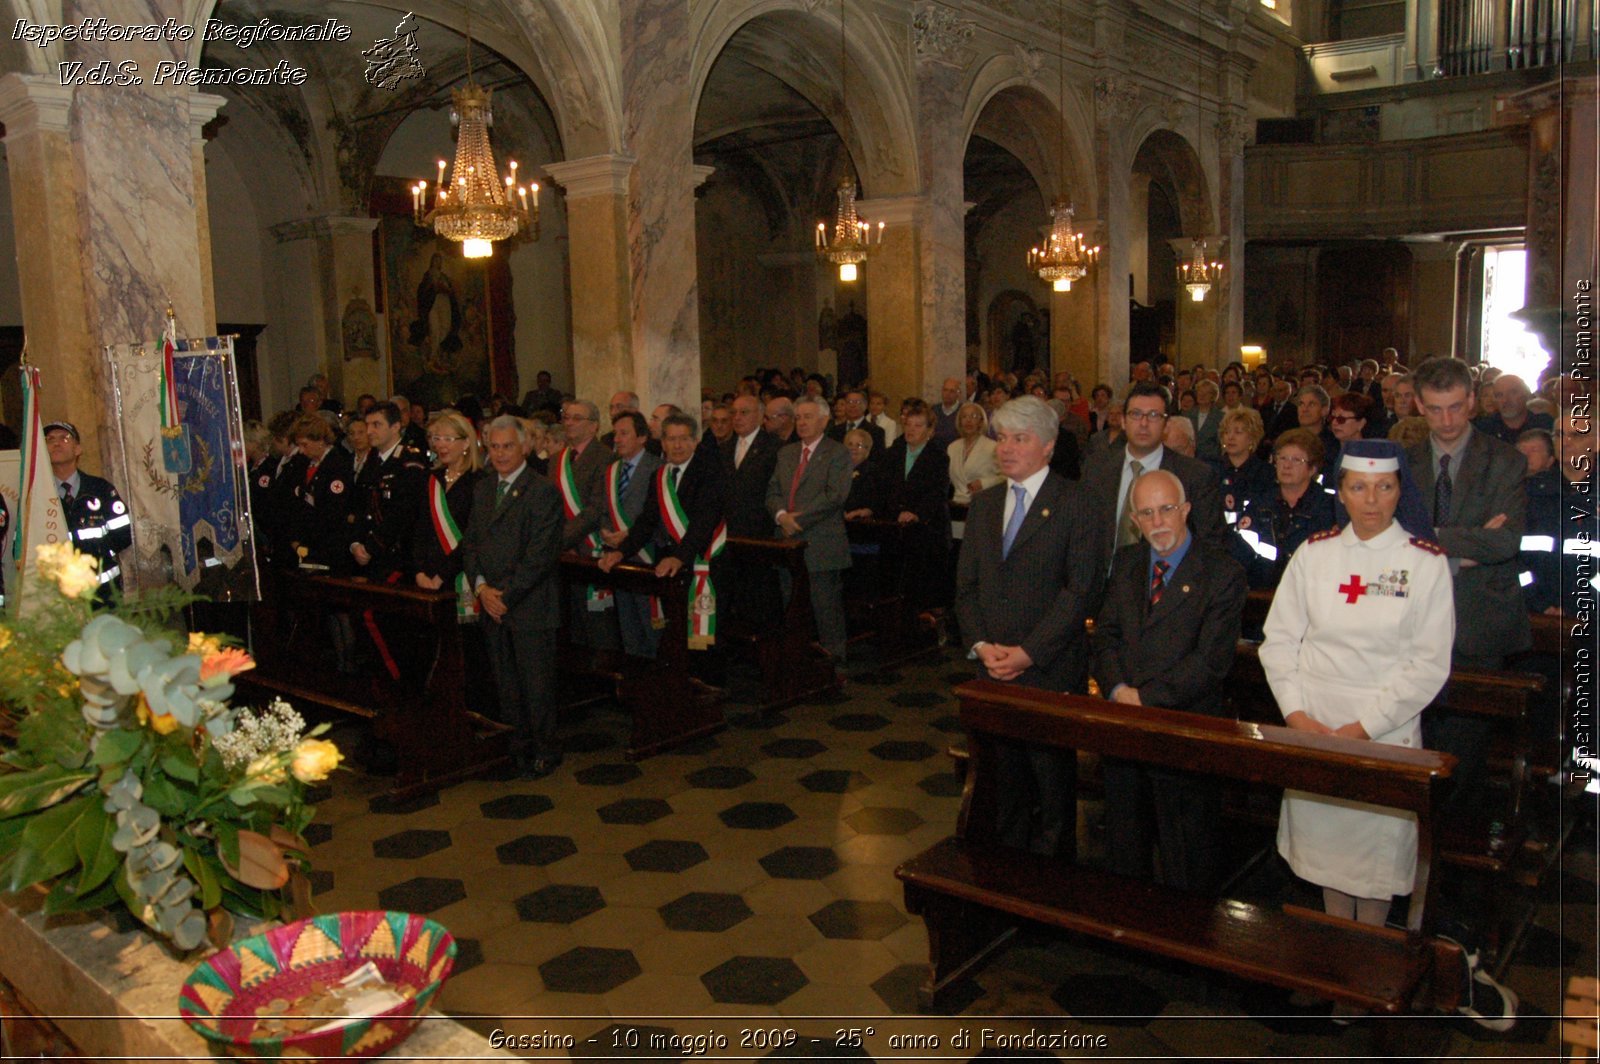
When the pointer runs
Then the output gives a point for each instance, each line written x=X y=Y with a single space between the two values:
x=449 y=533
x=621 y=523
x=702 y=597
x=595 y=598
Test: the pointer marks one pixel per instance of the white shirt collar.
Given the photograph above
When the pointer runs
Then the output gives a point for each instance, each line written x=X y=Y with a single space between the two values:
x=1149 y=461
x=1031 y=483
x=511 y=477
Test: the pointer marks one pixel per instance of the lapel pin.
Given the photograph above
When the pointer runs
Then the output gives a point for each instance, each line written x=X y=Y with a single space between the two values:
x=1185 y=589
x=1044 y=513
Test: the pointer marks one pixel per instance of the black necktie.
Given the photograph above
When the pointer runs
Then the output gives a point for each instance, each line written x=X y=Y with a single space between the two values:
x=1443 y=488
x=672 y=478
x=66 y=496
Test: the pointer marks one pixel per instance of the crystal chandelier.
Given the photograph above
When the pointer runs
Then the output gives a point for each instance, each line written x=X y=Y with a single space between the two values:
x=846 y=246
x=1198 y=274
x=1066 y=256
x=474 y=207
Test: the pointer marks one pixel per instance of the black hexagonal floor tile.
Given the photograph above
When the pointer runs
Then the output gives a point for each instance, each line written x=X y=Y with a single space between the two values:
x=666 y=855
x=321 y=881
x=834 y=781
x=941 y=785
x=826 y=698
x=559 y=903
x=879 y=821
x=757 y=721
x=796 y=749
x=634 y=811
x=695 y=747
x=469 y=954
x=385 y=803
x=950 y=722
x=858 y=919
x=902 y=750
x=588 y=742
x=612 y=775
x=898 y=989
x=759 y=816
x=1110 y=999
x=919 y=699
x=705 y=911
x=411 y=844
x=516 y=806
x=754 y=980
x=960 y=676
x=859 y=722
x=423 y=894
x=535 y=850
x=623 y=1040
x=801 y=862
x=589 y=970
x=720 y=777
x=317 y=834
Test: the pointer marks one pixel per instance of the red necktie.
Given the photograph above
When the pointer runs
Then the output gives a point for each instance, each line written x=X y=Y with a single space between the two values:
x=1158 y=581
x=799 y=471
x=311 y=471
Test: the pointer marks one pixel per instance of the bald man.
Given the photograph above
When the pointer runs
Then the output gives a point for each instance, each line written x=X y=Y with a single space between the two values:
x=1513 y=417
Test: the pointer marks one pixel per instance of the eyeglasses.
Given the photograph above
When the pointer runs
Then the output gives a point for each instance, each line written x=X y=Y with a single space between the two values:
x=1290 y=459
x=1145 y=415
x=577 y=417
x=1340 y=419
x=1149 y=513
x=444 y=439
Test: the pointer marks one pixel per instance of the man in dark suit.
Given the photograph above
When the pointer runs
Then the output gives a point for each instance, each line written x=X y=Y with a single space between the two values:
x=576 y=471
x=806 y=498
x=1474 y=483
x=683 y=521
x=1109 y=477
x=1027 y=573
x=1281 y=414
x=1165 y=636
x=511 y=549
x=749 y=456
x=623 y=493
x=855 y=417
x=916 y=474
x=395 y=481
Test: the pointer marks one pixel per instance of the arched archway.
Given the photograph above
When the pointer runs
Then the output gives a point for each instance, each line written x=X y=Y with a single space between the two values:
x=1170 y=199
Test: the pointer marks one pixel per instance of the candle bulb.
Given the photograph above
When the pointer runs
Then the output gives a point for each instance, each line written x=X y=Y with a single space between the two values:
x=536 y=195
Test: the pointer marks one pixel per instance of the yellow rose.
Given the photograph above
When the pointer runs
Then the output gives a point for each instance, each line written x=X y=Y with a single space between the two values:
x=265 y=769
x=160 y=723
x=314 y=759
x=203 y=645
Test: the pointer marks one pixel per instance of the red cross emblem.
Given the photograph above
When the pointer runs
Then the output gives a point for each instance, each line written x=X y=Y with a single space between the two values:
x=1353 y=590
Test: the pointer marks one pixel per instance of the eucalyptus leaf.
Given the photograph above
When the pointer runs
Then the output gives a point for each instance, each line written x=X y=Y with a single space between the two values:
x=191 y=931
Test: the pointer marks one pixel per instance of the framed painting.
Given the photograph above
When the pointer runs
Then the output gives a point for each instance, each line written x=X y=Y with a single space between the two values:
x=449 y=318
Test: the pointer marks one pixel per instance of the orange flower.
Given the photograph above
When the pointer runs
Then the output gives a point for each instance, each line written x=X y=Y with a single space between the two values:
x=160 y=723
x=221 y=665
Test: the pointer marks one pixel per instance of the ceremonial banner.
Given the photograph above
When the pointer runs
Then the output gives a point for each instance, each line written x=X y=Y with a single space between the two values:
x=180 y=442
x=30 y=495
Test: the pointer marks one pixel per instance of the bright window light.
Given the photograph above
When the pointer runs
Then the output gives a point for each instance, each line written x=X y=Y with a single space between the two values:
x=1507 y=344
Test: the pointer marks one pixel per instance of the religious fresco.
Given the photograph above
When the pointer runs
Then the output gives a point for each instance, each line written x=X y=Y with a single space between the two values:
x=440 y=316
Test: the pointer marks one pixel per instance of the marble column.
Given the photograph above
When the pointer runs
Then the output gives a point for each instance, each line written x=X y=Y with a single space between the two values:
x=655 y=47
x=940 y=218
x=106 y=237
x=1232 y=131
x=335 y=258
x=203 y=107
x=894 y=302
x=1111 y=275
x=1139 y=237
x=596 y=194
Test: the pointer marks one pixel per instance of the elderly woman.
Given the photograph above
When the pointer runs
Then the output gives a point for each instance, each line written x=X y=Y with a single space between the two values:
x=1278 y=522
x=868 y=498
x=318 y=486
x=1360 y=663
x=972 y=463
x=1243 y=475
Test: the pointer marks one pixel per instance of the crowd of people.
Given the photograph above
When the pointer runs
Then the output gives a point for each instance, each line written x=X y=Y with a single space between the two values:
x=1409 y=521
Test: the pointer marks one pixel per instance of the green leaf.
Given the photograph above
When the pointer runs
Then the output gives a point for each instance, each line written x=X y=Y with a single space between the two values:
x=28 y=792
x=272 y=795
x=204 y=872
x=162 y=796
x=179 y=767
x=228 y=843
x=117 y=746
x=65 y=899
x=54 y=733
x=49 y=843
x=95 y=853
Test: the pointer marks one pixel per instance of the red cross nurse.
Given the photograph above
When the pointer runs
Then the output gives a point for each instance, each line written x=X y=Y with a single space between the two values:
x=1357 y=643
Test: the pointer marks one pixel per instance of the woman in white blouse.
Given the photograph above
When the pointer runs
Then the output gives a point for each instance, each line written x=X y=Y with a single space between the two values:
x=972 y=462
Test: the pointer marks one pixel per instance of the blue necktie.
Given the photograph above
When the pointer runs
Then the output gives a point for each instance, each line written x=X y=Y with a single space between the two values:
x=1013 y=526
x=623 y=477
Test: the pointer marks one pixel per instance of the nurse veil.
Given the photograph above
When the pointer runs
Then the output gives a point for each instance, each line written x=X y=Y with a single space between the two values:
x=1357 y=643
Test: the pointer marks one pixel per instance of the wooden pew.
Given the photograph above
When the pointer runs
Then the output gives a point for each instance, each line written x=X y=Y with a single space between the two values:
x=667 y=706
x=973 y=892
x=793 y=665
x=884 y=615
x=437 y=738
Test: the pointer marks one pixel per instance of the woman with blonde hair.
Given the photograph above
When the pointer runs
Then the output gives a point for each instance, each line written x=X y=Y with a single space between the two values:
x=435 y=552
x=972 y=461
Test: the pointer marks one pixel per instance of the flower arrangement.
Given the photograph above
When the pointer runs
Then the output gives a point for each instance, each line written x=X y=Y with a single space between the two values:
x=132 y=780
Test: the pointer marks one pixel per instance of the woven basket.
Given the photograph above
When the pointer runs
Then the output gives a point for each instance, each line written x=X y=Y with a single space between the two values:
x=221 y=998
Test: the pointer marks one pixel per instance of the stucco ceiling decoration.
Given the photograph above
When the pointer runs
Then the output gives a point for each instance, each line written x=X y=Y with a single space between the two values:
x=1116 y=99
x=939 y=35
x=1030 y=62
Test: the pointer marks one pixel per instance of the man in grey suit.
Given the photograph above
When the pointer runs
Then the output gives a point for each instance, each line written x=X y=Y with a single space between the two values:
x=1206 y=416
x=806 y=498
x=576 y=471
x=511 y=548
x=1474 y=483
x=1026 y=577
x=630 y=475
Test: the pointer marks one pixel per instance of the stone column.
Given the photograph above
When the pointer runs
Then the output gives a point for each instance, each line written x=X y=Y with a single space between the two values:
x=794 y=316
x=203 y=107
x=655 y=47
x=106 y=237
x=1115 y=101
x=344 y=273
x=1139 y=236
x=940 y=226
x=893 y=276
x=1232 y=131
x=602 y=288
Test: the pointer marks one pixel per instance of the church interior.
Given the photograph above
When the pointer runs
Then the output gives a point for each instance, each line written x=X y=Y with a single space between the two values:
x=1348 y=176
